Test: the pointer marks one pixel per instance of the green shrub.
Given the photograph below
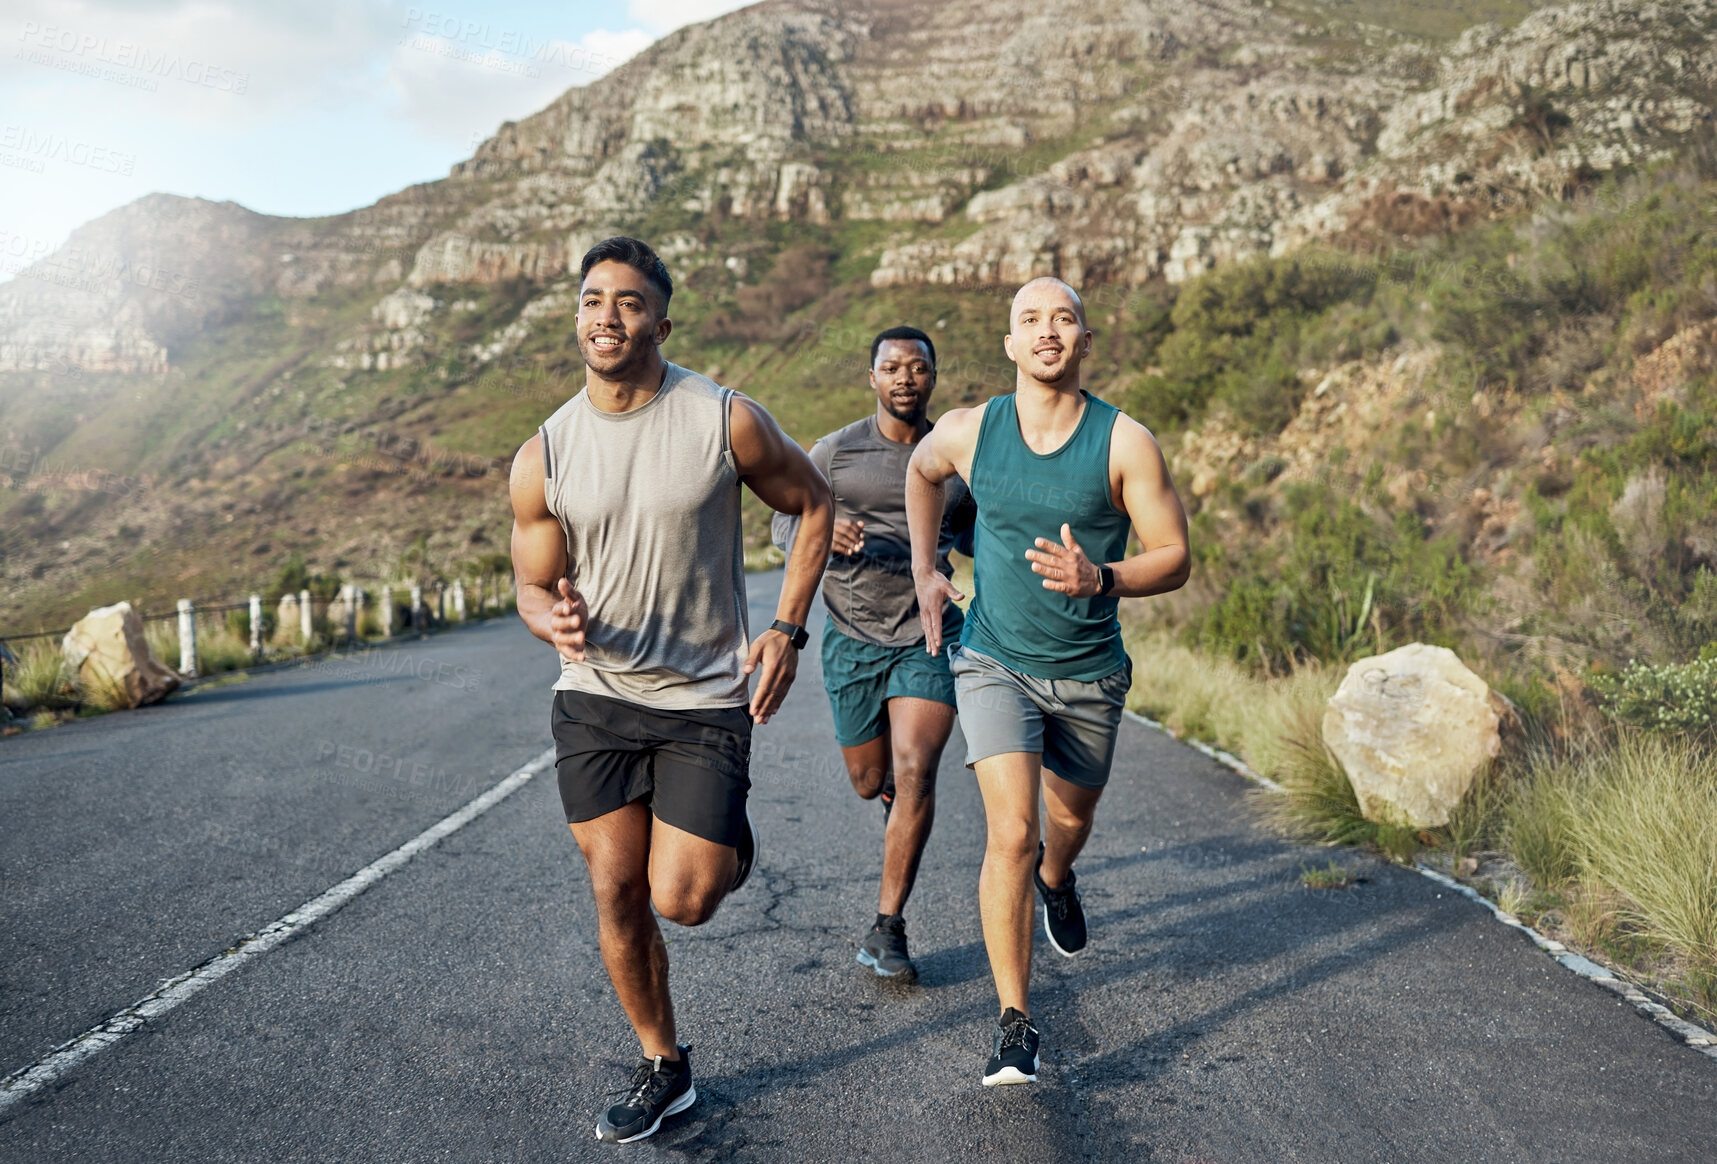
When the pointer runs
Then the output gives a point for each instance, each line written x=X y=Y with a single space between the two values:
x=1236 y=338
x=1673 y=698
x=1335 y=583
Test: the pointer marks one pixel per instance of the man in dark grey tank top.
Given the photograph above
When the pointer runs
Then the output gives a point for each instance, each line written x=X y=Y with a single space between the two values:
x=893 y=702
x=1042 y=684
x=627 y=552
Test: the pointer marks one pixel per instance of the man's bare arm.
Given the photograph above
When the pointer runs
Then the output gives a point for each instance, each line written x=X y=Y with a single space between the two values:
x=1159 y=520
x=783 y=477
x=550 y=607
x=1148 y=494
x=944 y=451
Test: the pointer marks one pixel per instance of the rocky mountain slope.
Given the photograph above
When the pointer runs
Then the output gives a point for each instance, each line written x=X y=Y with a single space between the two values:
x=190 y=393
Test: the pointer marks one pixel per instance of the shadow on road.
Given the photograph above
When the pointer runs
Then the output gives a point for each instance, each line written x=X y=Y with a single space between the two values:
x=1182 y=938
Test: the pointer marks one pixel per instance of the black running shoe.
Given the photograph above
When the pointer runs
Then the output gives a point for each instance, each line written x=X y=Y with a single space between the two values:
x=658 y=1090
x=884 y=950
x=1015 y=1058
x=1063 y=911
x=746 y=850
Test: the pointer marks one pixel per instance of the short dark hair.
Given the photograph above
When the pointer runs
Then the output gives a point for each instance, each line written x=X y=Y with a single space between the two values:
x=902 y=333
x=636 y=255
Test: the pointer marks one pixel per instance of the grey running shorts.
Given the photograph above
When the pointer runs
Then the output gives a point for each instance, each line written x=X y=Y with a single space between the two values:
x=1073 y=725
x=693 y=768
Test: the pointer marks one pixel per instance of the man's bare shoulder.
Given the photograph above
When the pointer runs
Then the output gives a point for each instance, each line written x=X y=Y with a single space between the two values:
x=1133 y=440
x=958 y=427
x=750 y=424
x=527 y=481
x=528 y=461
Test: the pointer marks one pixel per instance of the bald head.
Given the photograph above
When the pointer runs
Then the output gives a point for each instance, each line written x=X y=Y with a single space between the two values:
x=1047 y=292
x=1047 y=337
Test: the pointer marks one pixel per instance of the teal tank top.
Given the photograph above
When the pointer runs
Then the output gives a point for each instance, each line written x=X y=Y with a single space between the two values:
x=1022 y=496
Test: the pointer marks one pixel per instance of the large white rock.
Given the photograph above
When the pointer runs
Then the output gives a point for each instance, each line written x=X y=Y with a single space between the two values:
x=1413 y=727
x=108 y=645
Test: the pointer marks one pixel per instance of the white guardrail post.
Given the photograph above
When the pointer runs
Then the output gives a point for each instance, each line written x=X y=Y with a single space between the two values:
x=187 y=639
x=306 y=628
x=256 y=624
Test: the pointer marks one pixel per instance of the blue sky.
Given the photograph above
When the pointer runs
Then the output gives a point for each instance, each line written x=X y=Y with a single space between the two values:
x=296 y=107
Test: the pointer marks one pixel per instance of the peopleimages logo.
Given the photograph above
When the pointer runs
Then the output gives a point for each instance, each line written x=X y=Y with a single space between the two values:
x=481 y=35
x=51 y=147
x=124 y=54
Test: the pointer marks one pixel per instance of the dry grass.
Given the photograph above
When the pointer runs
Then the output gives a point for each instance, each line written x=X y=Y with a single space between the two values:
x=38 y=682
x=1536 y=815
x=162 y=635
x=1266 y=722
x=101 y=692
x=219 y=648
x=1644 y=826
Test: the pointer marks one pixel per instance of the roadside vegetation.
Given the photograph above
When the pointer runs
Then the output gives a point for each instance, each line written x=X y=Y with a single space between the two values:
x=1546 y=507
x=40 y=691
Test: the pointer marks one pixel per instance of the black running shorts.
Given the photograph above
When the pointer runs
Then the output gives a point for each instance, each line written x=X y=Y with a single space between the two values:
x=691 y=767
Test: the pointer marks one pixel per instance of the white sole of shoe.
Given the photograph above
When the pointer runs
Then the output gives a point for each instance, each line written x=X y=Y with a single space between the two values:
x=1050 y=934
x=679 y=1105
x=1009 y=1075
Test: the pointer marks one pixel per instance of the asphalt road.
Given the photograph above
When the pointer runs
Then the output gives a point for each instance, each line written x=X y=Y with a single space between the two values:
x=458 y=1010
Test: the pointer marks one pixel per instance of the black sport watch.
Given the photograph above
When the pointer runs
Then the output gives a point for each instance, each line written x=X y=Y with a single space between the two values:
x=1105 y=579
x=797 y=635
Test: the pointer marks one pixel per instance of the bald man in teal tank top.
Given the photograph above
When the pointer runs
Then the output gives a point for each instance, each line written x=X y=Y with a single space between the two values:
x=1060 y=479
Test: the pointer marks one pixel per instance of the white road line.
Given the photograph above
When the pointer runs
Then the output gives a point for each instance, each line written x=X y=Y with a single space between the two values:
x=53 y=1066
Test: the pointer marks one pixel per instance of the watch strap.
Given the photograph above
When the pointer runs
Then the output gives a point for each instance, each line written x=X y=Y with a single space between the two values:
x=796 y=634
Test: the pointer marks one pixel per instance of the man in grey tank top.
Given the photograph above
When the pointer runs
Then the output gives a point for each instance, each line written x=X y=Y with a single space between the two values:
x=1040 y=674
x=627 y=554
x=893 y=703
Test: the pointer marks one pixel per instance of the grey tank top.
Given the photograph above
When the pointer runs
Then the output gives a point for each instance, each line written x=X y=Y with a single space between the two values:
x=649 y=500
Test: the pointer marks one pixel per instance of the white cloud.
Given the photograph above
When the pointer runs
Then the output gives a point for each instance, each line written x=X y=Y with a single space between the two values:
x=458 y=88
x=305 y=107
x=197 y=62
x=666 y=15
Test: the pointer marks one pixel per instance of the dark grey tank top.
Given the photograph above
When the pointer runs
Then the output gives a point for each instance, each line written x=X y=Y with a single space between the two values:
x=649 y=500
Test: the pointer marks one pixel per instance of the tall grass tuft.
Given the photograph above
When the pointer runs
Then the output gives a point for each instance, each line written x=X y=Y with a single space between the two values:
x=1318 y=802
x=220 y=647
x=1645 y=826
x=101 y=692
x=39 y=681
x=1537 y=818
x=1477 y=821
x=162 y=635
